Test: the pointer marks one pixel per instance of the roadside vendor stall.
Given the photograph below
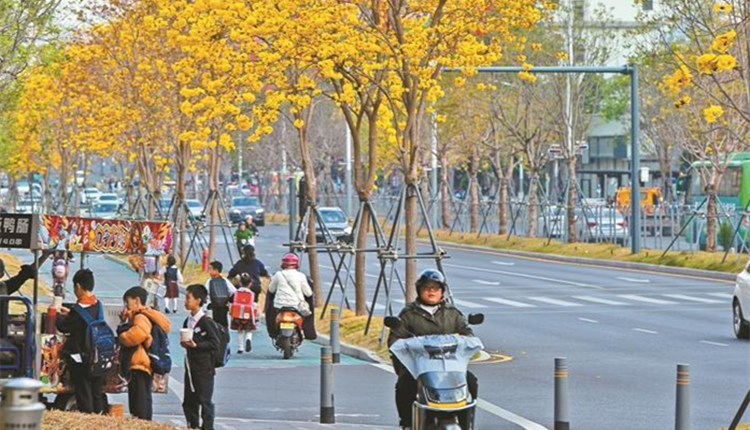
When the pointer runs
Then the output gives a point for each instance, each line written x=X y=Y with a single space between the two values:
x=50 y=233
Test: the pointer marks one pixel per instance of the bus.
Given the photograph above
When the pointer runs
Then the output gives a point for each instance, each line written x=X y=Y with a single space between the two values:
x=734 y=190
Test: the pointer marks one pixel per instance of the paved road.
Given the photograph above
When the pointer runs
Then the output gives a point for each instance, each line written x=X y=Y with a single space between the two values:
x=623 y=333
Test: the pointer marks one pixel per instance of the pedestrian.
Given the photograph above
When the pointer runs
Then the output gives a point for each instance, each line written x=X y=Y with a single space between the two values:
x=73 y=323
x=200 y=369
x=140 y=320
x=251 y=265
x=244 y=314
x=173 y=281
x=254 y=232
x=220 y=291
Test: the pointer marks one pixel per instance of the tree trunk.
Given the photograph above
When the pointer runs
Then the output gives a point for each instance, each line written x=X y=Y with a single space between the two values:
x=572 y=199
x=213 y=209
x=445 y=193
x=711 y=217
x=179 y=199
x=360 y=280
x=312 y=188
x=410 y=217
x=63 y=187
x=473 y=197
x=533 y=204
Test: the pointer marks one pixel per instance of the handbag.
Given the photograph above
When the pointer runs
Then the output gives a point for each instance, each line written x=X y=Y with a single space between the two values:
x=302 y=307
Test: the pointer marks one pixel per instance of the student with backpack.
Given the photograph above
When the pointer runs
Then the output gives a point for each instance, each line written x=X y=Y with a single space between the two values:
x=204 y=342
x=244 y=314
x=173 y=281
x=89 y=349
x=143 y=337
x=220 y=291
x=251 y=265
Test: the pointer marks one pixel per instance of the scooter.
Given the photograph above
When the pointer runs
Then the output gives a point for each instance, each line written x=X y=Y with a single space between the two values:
x=289 y=337
x=439 y=364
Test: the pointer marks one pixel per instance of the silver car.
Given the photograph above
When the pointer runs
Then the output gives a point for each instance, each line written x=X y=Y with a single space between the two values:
x=336 y=223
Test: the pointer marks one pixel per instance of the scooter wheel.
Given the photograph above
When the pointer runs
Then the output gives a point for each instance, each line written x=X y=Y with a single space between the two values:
x=286 y=347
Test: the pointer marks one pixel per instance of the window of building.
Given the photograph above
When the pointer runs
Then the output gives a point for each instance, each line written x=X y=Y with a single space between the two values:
x=579 y=7
x=647 y=5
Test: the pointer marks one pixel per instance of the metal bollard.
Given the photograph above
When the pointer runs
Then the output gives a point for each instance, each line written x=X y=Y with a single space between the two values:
x=20 y=408
x=327 y=413
x=335 y=330
x=682 y=418
x=562 y=409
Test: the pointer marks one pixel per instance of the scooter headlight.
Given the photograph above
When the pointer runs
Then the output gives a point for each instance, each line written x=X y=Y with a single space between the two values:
x=454 y=395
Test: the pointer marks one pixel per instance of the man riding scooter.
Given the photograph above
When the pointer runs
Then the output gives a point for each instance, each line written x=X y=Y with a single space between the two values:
x=430 y=314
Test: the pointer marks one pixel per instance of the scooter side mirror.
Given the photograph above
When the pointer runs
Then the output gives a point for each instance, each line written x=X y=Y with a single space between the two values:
x=393 y=323
x=476 y=319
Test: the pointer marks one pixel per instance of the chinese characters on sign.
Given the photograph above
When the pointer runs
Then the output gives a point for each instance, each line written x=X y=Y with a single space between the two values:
x=17 y=231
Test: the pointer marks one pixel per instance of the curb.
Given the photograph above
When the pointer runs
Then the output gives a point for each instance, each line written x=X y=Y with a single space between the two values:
x=352 y=351
x=644 y=267
x=118 y=261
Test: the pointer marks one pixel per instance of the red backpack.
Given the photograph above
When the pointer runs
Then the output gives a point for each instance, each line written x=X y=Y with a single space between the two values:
x=243 y=306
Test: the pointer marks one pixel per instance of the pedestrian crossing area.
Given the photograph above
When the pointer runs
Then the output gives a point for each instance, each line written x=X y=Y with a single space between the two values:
x=619 y=300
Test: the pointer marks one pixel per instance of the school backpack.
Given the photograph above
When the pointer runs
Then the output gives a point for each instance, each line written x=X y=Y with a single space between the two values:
x=161 y=359
x=243 y=307
x=100 y=341
x=221 y=356
x=219 y=292
x=59 y=269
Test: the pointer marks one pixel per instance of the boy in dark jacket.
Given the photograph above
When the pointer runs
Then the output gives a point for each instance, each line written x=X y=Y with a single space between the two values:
x=199 y=361
x=88 y=388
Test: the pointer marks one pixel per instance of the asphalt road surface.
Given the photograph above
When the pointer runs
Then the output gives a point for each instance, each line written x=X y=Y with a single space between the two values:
x=623 y=334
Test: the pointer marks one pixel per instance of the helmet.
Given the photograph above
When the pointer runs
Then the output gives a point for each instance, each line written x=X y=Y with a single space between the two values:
x=249 y=218
x=428 y=275
x=290 y=260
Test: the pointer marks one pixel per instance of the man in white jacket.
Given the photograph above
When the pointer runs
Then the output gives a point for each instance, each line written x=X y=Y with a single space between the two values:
x=289 y=285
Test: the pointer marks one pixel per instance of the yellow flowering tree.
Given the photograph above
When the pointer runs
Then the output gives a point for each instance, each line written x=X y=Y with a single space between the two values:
x=708 y=84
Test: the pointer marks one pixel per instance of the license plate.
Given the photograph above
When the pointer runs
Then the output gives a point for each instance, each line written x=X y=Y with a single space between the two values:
x=286 y=326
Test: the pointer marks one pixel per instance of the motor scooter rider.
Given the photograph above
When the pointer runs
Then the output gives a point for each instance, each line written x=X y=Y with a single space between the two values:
x=430 y=314
x=289 y=286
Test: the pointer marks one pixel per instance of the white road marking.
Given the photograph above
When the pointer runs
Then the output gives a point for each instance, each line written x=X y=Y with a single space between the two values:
x=513 y=303
x=467 y=304
x=588 y=320
x=600 y=301
x=643 y=330
x=378 y=306
x=523 y=275
x=556 y=302
x=479 y=281
x=691 y=298
x=636 y=280
x=722 y=295
x=226 y=426
x=507 y=415
x=177 y=388
x=178 y=423
x=708 y=342
x=503 y=263
x=646 y=299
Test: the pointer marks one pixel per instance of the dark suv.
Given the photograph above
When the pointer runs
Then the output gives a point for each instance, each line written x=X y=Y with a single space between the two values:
x=244 y=206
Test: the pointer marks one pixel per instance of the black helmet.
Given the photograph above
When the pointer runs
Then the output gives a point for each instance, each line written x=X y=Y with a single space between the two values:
x=430 y=275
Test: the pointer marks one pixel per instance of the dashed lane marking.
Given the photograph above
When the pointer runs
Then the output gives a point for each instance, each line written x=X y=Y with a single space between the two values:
x=708 y=342
x=552 y=301
x=482 y=282
x=468 y=304
x=643 y=330
x=507 y=302
x=588 y=320
x=646 y=299
x=523 y=275
x=600 y=300
x=635 y=280
x=503 y=263
x=691 y=298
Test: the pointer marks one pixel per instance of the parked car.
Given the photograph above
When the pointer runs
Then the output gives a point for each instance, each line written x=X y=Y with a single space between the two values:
x=105 y=210
x=244 y=206
x=336 y=223
x=741 y=304
x=196 y=209
x=606 y=226
x=109 y=198
x=90 y=196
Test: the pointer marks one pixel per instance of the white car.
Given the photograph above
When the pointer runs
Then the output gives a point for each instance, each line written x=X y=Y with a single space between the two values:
x=106 y=210
x=196 y=208
x=90 y=195
x=741 y=304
